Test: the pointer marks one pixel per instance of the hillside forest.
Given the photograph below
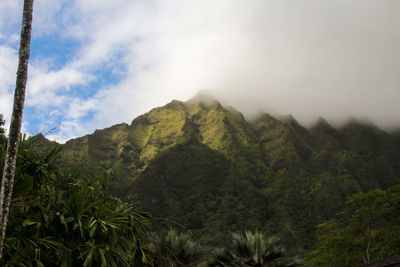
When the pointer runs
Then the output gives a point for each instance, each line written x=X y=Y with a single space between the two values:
x=194 y=184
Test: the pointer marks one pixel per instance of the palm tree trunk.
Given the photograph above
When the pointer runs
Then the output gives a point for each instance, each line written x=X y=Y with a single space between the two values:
x=16 y=120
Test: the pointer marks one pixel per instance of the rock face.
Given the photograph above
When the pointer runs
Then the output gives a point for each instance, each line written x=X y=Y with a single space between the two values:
x=205 y=166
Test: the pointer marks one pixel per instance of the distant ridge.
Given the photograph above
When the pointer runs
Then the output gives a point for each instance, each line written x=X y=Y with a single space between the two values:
x=205 y=166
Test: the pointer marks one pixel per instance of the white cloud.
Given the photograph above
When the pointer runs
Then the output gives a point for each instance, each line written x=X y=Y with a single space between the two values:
x=79 y=108
x=47 y=18
x=8 y=68
x=50 y=88
x=308 y=58
x=9 y=14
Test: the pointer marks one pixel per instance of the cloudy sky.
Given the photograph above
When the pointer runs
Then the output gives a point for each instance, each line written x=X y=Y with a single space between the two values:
x=95 y=63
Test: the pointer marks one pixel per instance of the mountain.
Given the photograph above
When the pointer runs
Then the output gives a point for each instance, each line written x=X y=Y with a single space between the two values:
x=206 y=167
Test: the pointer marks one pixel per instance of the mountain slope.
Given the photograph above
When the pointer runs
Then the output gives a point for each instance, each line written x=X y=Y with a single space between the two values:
x=205 y=166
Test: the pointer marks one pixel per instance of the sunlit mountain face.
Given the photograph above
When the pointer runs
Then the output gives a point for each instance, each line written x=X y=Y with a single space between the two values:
x=205 y=166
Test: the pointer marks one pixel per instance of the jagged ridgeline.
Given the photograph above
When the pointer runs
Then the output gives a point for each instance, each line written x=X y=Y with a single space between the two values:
x=206 y=167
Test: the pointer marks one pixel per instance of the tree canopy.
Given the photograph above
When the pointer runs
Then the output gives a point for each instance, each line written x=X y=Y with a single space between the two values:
x=367 y=230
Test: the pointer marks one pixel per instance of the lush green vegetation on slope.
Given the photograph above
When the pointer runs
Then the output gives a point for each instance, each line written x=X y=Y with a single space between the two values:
x=208 y=168
x=59 y=218
x=199 y=188
x=367 y=230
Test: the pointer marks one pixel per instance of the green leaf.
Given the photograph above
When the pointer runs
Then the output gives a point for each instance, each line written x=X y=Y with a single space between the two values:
x=80 y=227
x=88 y=260
x=93 y=230
x=144 y=259
x=103 y=258
x=29 y=223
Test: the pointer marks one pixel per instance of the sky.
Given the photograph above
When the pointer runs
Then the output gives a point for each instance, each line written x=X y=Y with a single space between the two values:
x=95 y=63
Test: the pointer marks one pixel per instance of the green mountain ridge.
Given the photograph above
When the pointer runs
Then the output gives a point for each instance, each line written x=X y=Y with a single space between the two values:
x=206 y=167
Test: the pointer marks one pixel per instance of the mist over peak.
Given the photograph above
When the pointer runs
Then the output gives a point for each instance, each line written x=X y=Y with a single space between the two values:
x=203 y=96
x=311 y=58
x=252 y=112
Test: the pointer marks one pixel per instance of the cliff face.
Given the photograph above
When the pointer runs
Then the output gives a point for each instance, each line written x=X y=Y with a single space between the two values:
x=206 y=167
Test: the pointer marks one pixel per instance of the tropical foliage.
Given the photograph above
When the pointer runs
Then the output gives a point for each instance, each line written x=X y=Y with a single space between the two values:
x=250 y=249
x=59 y=219
x=367 y=230
x=176 y=250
